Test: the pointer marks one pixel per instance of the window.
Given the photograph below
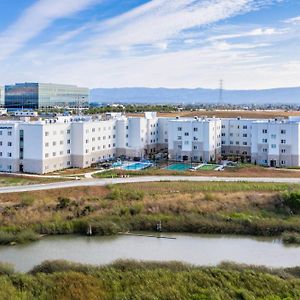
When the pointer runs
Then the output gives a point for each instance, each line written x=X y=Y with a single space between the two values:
x=47 y=144
x=195 y=129
x=179 y=138
x=273 y=136
x=179 y=146
x=54 y=154
x=245 y=143
x=264 y=140
x=86 y=141
x=223 y=134
x=245 y=126
x=223 y=142
x=61 y=142
x=283 y=162
x=283 y=131
x=231 y=142
x=61 y=152
x=68 y=151
x=237 y=142
x=0 y=153
x=0 y=132
x=9 y=144
x=0 y=143
x=127 y=127
x=195 y=147
x=186 y=142
x=265 y=150
x=283 y=150
x=9 y=154
x=231 y=134
x=179 y=128
x=273 y=146
x=68 y=131
x=245 y=135
x=54 y=143
x=283 y=141
x=68 y=141
x=195 y=138
x=46 y=133
x=264 y=131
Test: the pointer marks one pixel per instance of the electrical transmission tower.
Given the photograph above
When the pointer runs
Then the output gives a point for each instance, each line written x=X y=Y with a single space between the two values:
x=221 y=92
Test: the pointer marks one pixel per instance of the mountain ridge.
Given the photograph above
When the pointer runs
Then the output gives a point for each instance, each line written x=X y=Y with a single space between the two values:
x=142 y=95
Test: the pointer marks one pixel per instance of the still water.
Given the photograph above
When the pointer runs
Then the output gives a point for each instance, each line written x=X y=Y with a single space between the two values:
x=189 y=248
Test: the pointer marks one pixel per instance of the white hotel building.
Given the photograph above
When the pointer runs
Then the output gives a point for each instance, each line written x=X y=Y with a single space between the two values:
x=49 y=145
x=197 y=139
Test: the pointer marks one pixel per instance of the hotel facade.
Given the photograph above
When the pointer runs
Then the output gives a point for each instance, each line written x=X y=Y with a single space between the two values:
x=49 y=145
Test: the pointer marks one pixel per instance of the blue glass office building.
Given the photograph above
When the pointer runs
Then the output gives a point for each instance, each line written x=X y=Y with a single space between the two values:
x=30 y=95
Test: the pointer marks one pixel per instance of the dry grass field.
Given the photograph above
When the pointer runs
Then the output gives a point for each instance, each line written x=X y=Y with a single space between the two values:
x=200 y=207
x=11 y=180
x=259 y=114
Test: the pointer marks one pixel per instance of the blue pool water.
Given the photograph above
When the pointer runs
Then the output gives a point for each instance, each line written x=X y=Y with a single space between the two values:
x=136 y=166
x=178 y=167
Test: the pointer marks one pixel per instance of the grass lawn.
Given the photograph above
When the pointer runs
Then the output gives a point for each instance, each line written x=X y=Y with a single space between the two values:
x=208 y=167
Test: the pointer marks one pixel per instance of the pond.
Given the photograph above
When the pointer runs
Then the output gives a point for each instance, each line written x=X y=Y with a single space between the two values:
x=189 y=248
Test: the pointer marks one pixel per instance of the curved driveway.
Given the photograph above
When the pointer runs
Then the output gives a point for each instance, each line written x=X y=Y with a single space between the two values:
x=103 y=182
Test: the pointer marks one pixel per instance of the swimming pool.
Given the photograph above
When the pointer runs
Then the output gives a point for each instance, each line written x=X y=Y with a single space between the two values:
x=137 y=166
x=178 y=167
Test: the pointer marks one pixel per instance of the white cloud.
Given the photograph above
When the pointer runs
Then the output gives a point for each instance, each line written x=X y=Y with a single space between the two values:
x=251 y=33
x=160 y=20
x=35 y=19
x=148 y=47
x=295 y=20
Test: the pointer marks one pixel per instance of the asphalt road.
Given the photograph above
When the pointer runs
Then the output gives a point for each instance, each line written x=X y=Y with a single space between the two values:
x=103 y=182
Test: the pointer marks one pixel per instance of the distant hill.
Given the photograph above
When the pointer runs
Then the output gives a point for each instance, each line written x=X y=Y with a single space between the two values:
x=199 y=95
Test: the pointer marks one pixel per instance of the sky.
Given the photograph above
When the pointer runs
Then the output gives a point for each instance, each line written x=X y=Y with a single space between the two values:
x=249 y=44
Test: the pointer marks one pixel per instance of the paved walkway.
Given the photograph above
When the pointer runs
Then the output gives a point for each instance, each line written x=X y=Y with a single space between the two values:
x=103 y=182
